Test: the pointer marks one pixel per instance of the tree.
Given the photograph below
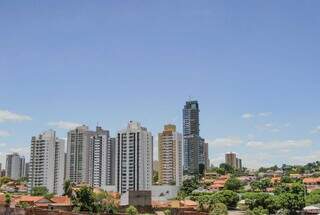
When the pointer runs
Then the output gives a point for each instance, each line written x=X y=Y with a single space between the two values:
x=255 y=200
x=49 y=195
x=131 y=210
x=84 y=199
x=261 y=185
x=227 y=197
x=187 y=187
x=257 y=211
x=233 y=184
x=4 y=180
x=201 y=169
x=39 y=191
x=292 y=202
x=219 y=209
x=7 y=198
x=68 y=188
x=313 y=197
x=227 y=167
x=155 y=177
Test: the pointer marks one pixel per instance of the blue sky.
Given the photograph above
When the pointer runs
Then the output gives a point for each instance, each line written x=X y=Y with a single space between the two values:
x=252 y=65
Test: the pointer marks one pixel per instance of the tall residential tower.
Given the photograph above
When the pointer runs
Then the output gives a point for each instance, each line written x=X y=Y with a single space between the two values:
x=46 y=167
x=134 y=158
x=170 y=156
x=15 y=166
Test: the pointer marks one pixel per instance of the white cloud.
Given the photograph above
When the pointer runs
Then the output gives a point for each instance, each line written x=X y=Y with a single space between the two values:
x=285 y=145
x=247 y=115
x=269 y=127
x=3 y=144
x=7 y=116
x=4 y=133
x=64 y=124
x=316 y=130
x=265 y=114
x=225 y=142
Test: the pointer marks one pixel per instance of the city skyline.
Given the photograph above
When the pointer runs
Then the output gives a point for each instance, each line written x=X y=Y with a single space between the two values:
x=256 y=79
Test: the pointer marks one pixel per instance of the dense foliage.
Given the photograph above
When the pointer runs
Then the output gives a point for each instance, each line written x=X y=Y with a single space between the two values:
x=86 y=200
x=219 y=209
x=233 y=184
x=207 y=200
x=187 y=187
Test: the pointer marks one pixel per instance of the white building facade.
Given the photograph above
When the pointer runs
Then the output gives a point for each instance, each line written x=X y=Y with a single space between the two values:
x=101 y=159
x=134 y=158
x=46 y=167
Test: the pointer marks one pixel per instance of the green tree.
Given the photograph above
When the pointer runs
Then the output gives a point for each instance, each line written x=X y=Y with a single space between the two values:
x=261 y=185
x=257 y=211
x=4 y=180
x=84 y=199
x=255 y=200
x=68 y=188
x=227 y=197
x=39 y=191
x=313 y=198
x=292 y=202
x=219 y=209
x=155 y=177
x=7 y=198
x=131 y=210
x=49 y=195
x=187 y=187
x=227 y=167
x=201 y=169
x=233 y=184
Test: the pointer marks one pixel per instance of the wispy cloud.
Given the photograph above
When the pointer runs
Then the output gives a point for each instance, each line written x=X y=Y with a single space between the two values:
x=316 y=130
x=269 y=127
x=4 y=133
x=265 y=114
x=3 y=144
x=252 y=115
x=7 y=116
x=247 y=115
x=64 y=124
x=285 y=145
x=225 y=142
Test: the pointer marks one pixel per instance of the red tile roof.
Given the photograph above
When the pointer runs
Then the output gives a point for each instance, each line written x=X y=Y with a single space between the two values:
x=311 y=180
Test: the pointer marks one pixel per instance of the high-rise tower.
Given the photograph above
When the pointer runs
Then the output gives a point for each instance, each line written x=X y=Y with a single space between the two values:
x=170 y=156
x=134 y=158
x=46 y=167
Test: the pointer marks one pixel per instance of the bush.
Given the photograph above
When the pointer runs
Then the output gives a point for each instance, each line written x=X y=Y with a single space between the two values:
x=219 y=209
x=131 y=210
x=257 y=211
x=233 y=184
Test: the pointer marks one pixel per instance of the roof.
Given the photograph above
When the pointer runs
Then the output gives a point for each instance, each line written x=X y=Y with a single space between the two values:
x=61 y=200
x=188 y=203
x=31 y=199
x=2 y=198
x=311 y=180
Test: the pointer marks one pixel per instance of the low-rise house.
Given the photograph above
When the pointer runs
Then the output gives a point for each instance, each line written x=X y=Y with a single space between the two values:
x=219 y=183
x=275 y=179
x=60 y=203
x=33 y=201
x=312 y=183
